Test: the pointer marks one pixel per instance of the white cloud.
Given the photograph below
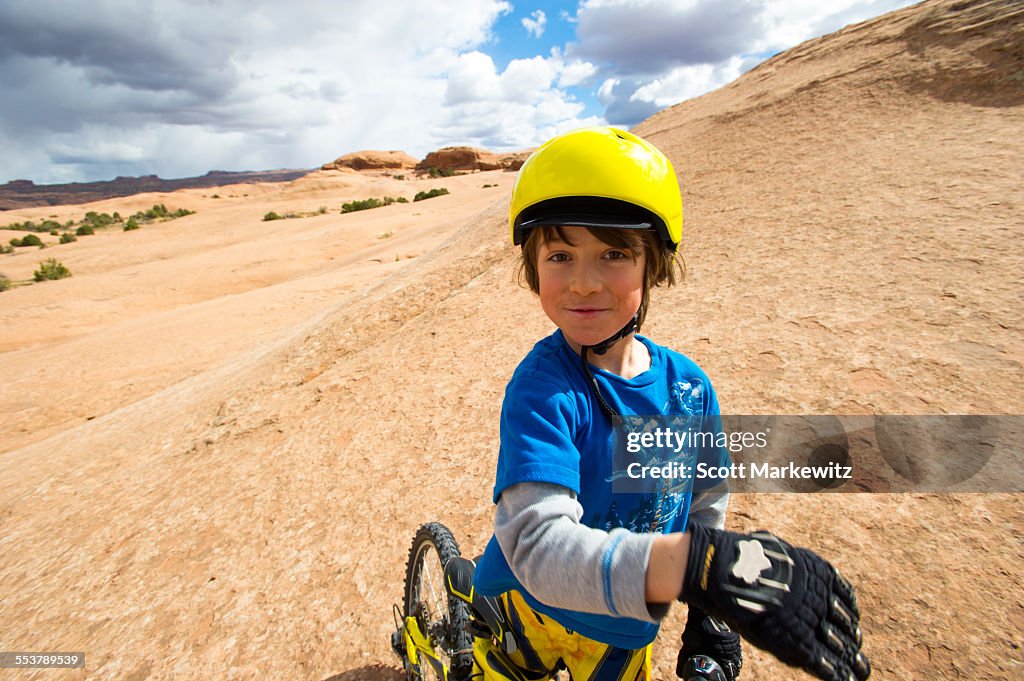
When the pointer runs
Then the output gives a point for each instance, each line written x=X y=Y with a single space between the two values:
x=519 y=107
x=471 y=79
x=534 y=24
x=527 y=79
x=576 y=73
x=604 y=93
x=686 y=82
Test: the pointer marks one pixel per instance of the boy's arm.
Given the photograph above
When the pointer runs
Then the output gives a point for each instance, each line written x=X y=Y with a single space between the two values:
x=568 y=565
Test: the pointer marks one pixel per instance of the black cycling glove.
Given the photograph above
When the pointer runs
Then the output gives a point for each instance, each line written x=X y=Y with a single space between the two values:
x=704 y=635
x=786 y=600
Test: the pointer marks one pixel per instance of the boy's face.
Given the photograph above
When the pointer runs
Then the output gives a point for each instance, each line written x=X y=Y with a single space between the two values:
x=588 y=288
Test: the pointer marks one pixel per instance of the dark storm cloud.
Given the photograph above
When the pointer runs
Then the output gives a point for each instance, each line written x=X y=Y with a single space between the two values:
x=133 y=45
x=621 y=110
x=651 y=39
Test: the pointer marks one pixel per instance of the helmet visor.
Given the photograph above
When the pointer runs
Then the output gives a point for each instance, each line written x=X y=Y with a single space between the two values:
x=583 y=212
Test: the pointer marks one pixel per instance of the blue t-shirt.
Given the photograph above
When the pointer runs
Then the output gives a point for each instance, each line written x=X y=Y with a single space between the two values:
x=553 y=430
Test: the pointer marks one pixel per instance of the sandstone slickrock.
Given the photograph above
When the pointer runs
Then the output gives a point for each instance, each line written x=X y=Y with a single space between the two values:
x=372 y=160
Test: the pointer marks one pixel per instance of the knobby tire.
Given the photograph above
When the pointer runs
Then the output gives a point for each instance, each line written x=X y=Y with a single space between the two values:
x=435 y=537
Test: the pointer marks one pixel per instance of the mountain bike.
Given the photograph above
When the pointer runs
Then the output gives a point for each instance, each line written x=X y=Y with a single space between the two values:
x=444 y=625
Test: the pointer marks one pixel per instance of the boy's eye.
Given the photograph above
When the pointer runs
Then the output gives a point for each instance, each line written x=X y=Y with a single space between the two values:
x=616 y=255
x=558 y=257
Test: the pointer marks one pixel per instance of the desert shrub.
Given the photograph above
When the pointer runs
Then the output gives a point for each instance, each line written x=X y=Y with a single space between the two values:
x=321 y=210
x=420 y=196
x=215 y=196
x=54 y=232
x=399 y=177
x=85 y=230
x=131 y=224
x=5 y=282
x=182 y=212
x=67 y=237
x=385 y=235
x=51 y=269
x=28 y=240
x=489 y=185
x=28 y=226
x=6 y=248
x=365 y=204
x=440 y=172
x=272 y=216
x=98 y=219
x=15 y=242
x=117 y=217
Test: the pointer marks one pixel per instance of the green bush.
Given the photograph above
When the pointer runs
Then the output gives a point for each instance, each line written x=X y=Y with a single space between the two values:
x=365 y=204
x=51 y=269
x=272 y=216
x=15 y=242
x=98 y=219
x=85 y=230
x=420 y=196
x=5 y=248
x=5 y=282
x=440 y=172
x=399 y=177
x=117 y=217
x=28 y=240
x=131 y=224
x=67 y=237
x=29 y=226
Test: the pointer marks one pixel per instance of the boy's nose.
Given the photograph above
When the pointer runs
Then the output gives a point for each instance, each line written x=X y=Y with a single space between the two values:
x=585 y=280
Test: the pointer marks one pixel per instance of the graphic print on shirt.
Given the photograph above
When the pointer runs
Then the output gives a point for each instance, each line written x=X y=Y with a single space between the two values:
x=654 y=503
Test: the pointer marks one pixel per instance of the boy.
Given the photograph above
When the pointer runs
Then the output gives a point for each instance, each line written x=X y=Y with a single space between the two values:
x=584 y=573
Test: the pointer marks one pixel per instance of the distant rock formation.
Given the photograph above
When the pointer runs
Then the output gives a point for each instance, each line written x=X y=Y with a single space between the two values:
x=26 y=194
x=372 y=160
x=471 y=158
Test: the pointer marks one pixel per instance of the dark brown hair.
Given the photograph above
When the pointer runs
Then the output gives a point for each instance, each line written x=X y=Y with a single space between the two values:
x=660 y=263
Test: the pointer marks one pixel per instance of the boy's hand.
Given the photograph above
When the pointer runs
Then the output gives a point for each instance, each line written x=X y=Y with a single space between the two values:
x=704 y=635
x=786 y=600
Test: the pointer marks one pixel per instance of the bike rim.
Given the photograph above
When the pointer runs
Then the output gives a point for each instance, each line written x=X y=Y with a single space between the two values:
x=432 y=602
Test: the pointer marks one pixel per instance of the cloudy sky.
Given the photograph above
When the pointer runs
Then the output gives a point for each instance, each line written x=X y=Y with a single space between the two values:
x=92 y=90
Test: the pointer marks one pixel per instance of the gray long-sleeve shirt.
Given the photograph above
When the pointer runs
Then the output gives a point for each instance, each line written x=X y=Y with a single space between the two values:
x=564 y=563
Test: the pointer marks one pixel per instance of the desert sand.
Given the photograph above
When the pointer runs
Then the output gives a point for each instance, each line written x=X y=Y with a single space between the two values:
x=219 y=435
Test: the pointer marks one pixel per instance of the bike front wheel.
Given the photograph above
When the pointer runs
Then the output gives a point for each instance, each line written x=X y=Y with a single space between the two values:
x=440 y=616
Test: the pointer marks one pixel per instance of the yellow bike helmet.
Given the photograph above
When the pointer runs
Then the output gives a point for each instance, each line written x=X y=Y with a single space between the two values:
x=597 y=177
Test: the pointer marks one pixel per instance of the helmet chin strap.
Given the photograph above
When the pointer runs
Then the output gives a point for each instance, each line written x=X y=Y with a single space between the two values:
x=607 y=343
x=600 y=349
